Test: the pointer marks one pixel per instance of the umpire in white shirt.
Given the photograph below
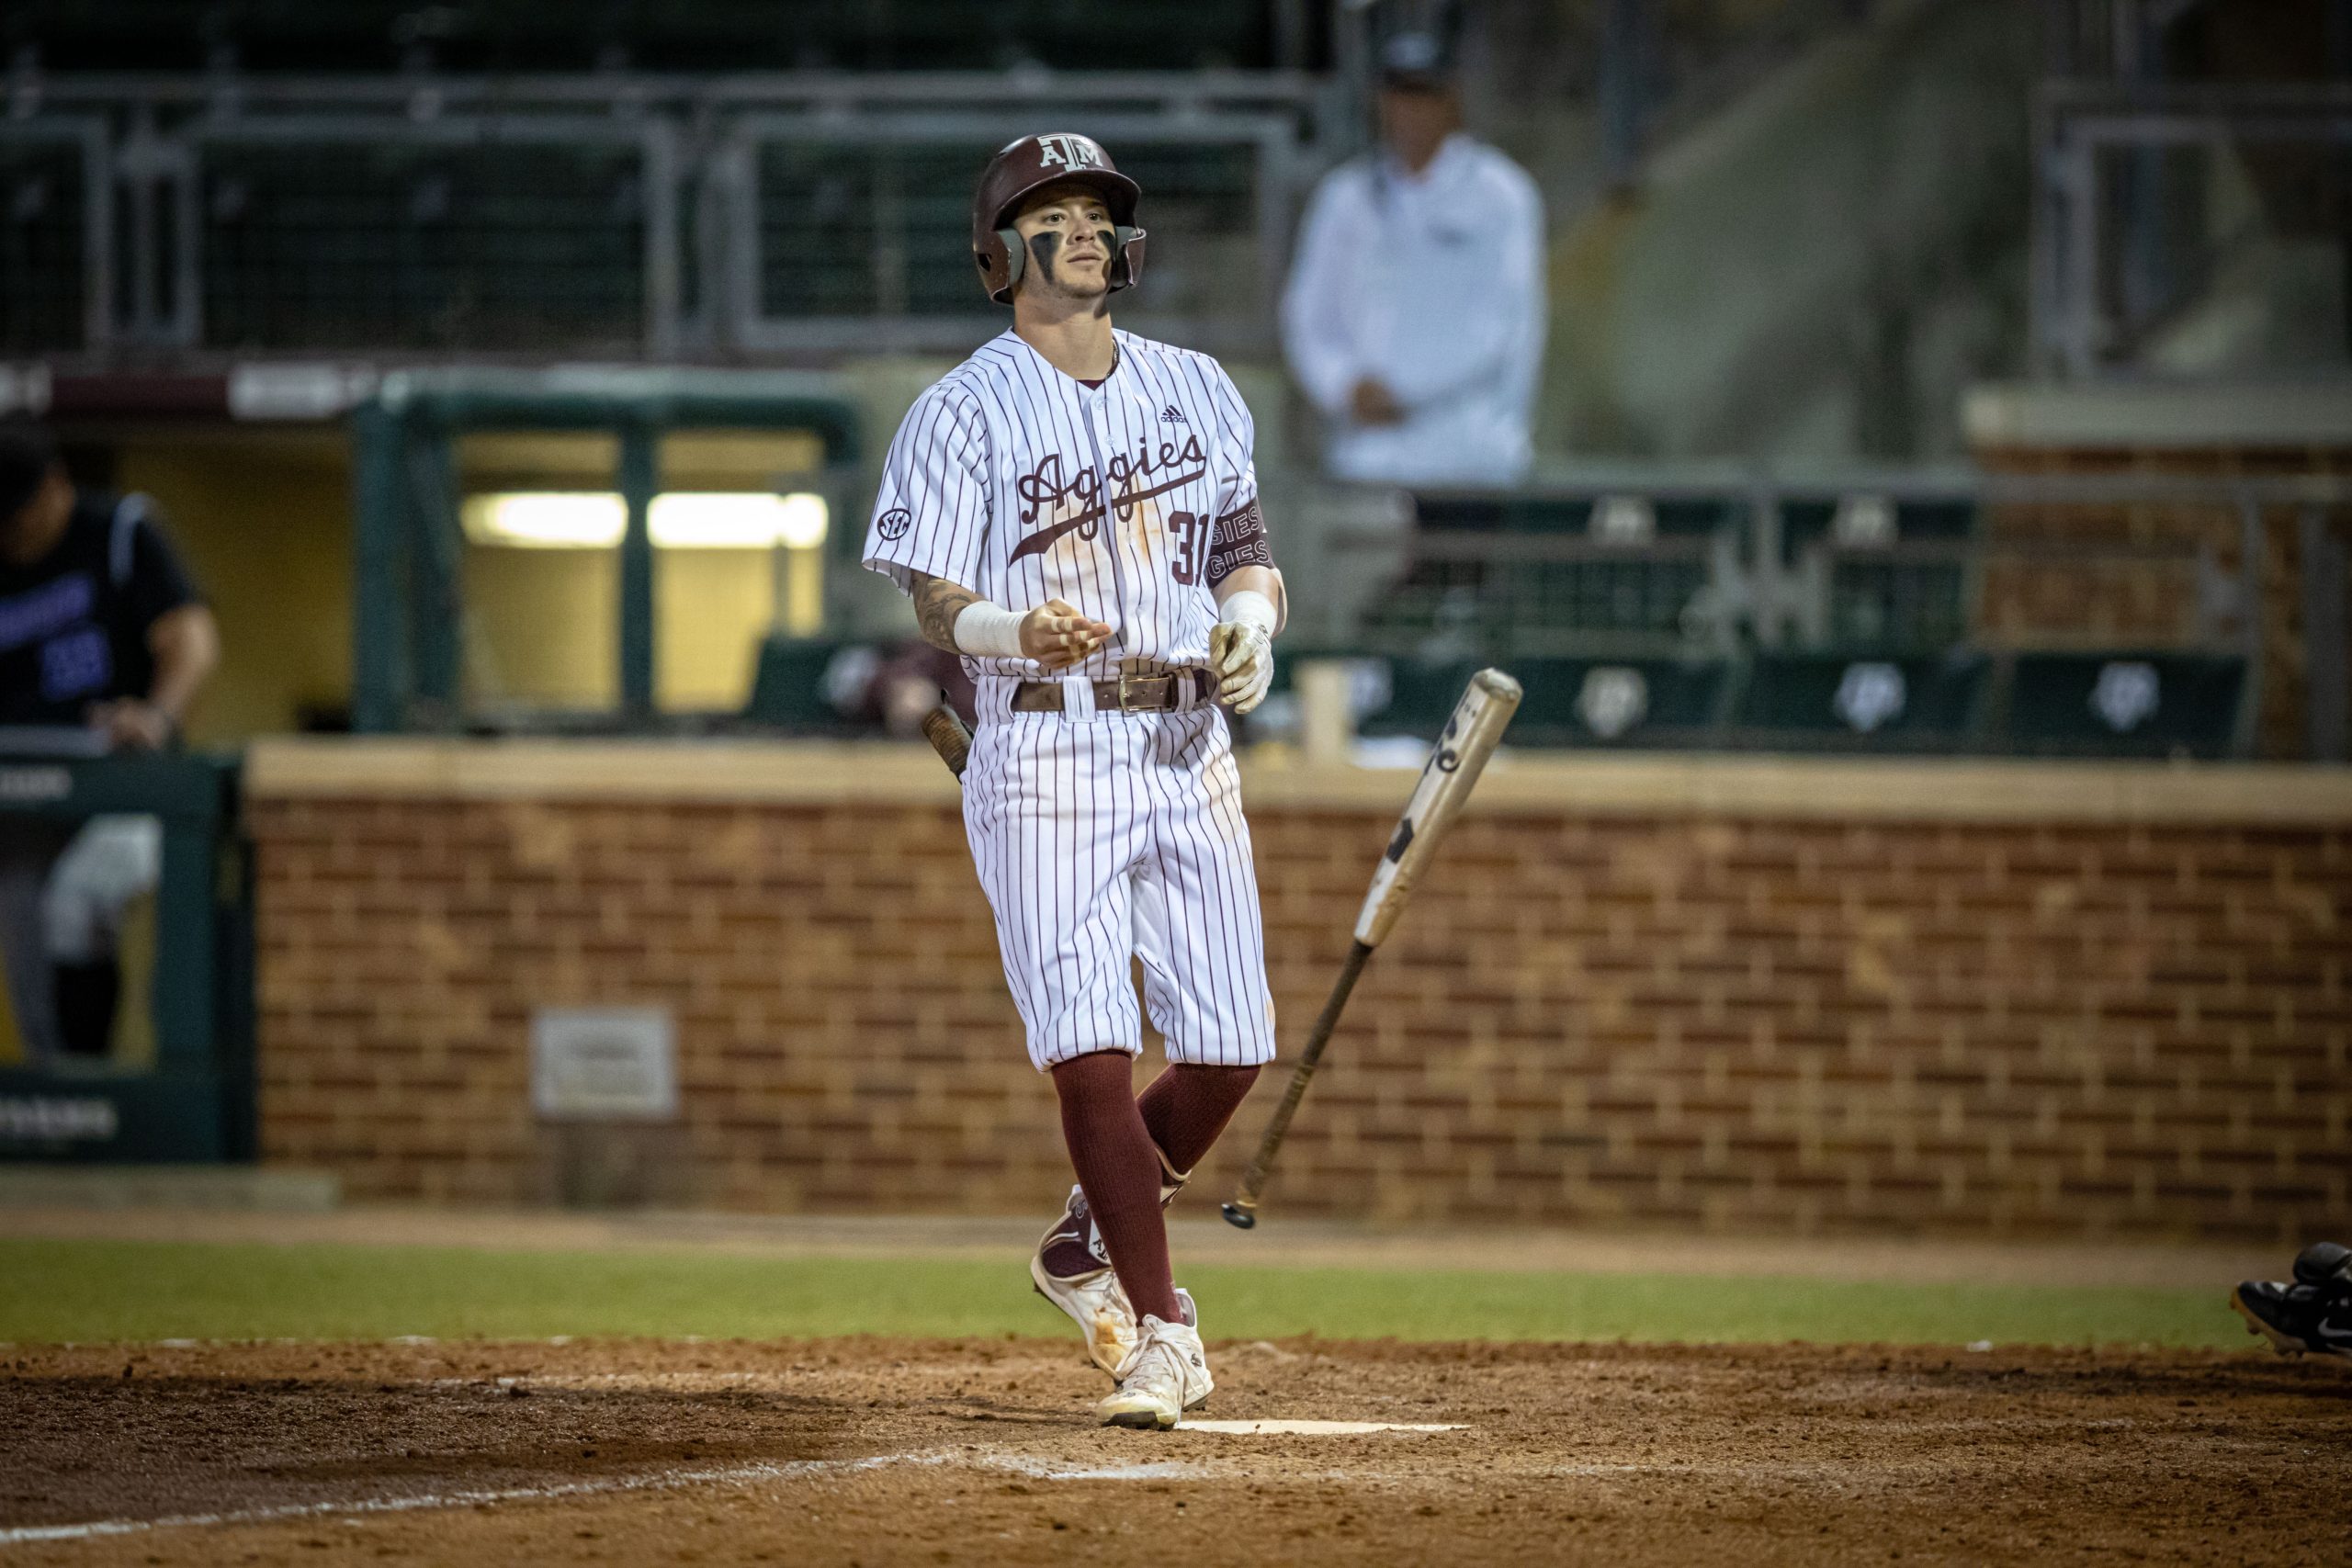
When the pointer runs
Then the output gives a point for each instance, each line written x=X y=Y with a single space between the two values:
x=1415 y=314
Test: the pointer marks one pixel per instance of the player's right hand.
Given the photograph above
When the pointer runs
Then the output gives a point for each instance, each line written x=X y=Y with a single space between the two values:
x=1057 y=636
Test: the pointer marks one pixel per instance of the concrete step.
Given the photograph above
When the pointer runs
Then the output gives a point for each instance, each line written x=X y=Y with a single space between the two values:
x=274 y=1190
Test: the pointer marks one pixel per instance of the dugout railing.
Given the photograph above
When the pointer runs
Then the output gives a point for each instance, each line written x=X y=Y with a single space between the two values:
x=2152 y=199
x=1891 y=612
x=616 y=215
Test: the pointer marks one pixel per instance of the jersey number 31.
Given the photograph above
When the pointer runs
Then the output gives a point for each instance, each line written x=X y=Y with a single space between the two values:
x=1189 y=529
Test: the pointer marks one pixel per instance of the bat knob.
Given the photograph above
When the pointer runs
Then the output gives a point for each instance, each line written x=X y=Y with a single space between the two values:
x=1239 y=1217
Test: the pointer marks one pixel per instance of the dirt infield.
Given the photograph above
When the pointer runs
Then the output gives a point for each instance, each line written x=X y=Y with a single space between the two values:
x=880 y=1451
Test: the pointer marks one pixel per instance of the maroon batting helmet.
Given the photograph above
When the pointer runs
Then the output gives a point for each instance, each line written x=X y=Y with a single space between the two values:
x=1025 y=167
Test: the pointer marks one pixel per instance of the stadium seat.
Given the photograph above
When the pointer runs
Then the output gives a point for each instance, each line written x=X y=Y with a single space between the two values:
x=1564 y=515
x=2124 y=704
x=1893 y=573
x=1630 y=703
x=1443 y=603
x=1544 y=604
x=1423 y=693
x=1626 y=586
x=788 y=686
x=1841 y=702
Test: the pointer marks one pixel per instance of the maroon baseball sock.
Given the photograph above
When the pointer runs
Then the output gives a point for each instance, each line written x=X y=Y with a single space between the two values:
x=1120 y=1173
x=1187 y=1106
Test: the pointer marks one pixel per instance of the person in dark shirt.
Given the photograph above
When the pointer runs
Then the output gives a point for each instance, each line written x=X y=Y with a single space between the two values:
x=104 y=645
x=99 y=622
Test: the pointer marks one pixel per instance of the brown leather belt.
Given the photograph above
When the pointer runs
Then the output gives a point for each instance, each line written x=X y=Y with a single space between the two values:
x=1129 y=693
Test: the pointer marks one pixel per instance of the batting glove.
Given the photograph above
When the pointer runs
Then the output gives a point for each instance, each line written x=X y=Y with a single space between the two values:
x=1241 y=650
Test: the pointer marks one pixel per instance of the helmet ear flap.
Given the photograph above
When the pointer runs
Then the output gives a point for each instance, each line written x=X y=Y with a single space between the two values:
x=1015 y=255
x=1124 y=235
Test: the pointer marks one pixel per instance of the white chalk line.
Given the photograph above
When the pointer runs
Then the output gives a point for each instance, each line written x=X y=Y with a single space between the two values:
x=719 y=1475
x=1047 y=1469
x=666 y=1480
x=1314 y=1429
x=658 y=1480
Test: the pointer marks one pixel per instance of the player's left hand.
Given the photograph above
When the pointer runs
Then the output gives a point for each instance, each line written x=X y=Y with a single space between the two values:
x=1243 y=657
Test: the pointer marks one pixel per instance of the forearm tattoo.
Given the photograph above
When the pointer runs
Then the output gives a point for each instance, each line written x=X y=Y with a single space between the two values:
x=937 y=603
x=1239 y=539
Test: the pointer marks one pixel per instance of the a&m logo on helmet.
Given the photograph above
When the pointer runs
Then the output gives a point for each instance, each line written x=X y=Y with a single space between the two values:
x=1068 y=152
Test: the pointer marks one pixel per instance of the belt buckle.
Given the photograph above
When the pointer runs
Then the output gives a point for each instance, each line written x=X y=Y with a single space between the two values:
x=1127 y=681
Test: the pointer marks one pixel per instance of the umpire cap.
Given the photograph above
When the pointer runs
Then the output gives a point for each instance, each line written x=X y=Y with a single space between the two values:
x=1025 y=167
x=1416 y=61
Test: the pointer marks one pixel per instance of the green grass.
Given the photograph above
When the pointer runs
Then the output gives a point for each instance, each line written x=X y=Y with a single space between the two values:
x=92 y=1290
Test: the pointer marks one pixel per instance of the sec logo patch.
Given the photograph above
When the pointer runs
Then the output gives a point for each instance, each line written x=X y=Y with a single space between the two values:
x=894 y=524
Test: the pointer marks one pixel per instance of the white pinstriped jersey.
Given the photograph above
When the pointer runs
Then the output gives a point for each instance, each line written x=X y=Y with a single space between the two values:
x=1097 y=835
x=1012 y=479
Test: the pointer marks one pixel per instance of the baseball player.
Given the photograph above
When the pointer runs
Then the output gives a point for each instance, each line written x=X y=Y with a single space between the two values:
x=1074 y=510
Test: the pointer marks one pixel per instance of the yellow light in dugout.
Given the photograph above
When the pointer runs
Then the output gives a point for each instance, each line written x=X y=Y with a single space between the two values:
x=556 y=520
x=801 y=523
x=680 y=520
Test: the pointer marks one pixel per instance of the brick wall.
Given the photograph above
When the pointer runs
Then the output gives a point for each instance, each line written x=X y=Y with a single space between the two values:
x=1750 y=1016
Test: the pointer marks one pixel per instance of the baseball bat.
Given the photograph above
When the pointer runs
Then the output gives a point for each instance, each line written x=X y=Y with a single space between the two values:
x=948 y=737
x=1446 y=781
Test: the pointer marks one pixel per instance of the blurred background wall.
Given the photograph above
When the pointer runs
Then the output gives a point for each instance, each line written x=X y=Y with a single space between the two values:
x=1783 y=234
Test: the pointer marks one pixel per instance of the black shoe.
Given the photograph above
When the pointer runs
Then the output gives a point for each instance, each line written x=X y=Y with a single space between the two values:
x=2310 y=1313
x=86 y=996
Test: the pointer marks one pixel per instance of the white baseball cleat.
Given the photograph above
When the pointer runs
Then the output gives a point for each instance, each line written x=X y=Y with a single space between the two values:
x=1168 y=1375
x=1071 y=1269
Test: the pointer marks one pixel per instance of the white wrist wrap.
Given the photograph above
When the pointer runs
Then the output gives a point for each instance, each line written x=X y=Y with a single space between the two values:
x=988 y=631
x=1247 y=608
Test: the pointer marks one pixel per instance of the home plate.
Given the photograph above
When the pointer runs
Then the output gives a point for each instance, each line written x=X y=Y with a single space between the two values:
x=1311 y=1428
